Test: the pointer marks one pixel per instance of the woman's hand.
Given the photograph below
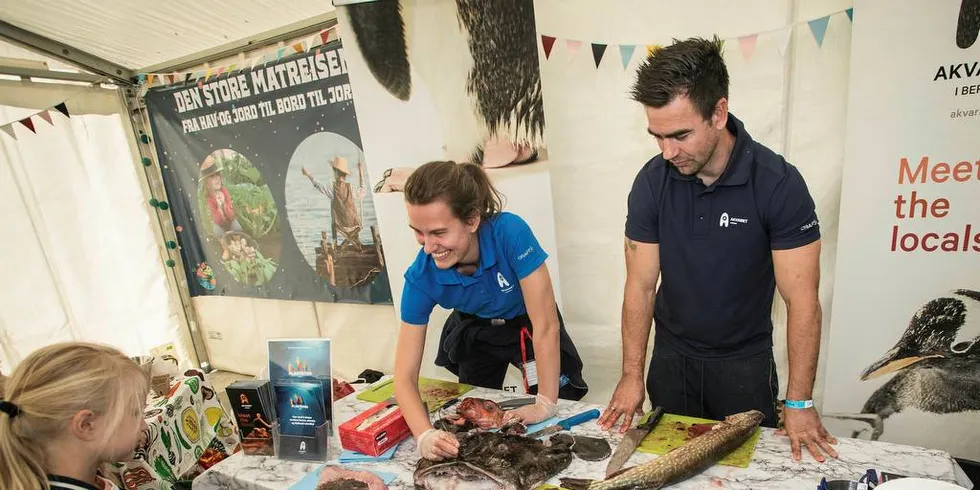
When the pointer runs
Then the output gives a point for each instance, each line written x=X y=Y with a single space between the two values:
x=437 y=444
x=542 y=409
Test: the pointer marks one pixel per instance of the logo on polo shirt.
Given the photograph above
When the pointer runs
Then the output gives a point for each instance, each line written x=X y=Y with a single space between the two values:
x=727 y=220
x=505 y=287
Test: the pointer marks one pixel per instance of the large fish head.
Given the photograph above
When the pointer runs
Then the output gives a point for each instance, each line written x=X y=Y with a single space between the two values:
x=457 y=475
x=749 y=418
x=484 y=413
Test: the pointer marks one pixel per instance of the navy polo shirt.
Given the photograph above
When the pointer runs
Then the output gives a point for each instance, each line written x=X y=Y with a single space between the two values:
x=716 y=243
x=509 y=252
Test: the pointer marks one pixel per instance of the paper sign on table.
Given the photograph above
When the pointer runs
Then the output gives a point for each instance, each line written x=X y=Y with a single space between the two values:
x=671 y=432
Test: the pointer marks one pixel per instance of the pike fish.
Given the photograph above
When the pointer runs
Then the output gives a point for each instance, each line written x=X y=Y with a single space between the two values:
x=694 y=456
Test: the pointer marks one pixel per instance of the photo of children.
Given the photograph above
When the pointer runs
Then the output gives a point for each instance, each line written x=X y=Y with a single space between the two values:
x=241 y=220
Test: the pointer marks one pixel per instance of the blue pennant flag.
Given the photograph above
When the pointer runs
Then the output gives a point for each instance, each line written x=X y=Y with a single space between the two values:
x=819 y=28
x=850 y=13
x=626 y=52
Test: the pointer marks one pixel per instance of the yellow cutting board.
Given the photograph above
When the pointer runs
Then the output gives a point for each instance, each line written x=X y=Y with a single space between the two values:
x=434 y=392
x=671 y=432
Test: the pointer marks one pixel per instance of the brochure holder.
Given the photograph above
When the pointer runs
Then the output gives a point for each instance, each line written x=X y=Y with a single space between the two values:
x=259 y=446
x=302 y=448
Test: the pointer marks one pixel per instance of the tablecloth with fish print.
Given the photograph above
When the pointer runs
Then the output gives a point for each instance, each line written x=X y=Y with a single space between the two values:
x=187 y=432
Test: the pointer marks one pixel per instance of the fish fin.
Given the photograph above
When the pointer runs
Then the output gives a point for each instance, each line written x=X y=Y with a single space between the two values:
x=575 y=483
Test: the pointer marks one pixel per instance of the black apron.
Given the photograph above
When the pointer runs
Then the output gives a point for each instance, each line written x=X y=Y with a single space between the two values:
x=479 y=350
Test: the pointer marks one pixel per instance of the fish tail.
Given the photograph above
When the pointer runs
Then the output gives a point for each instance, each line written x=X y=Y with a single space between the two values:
x=576 y=483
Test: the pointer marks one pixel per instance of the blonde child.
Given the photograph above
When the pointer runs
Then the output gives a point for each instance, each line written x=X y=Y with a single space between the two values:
x=67 y=409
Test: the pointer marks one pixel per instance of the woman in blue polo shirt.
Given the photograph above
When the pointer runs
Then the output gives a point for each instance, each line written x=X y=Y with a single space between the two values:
x=485 y=265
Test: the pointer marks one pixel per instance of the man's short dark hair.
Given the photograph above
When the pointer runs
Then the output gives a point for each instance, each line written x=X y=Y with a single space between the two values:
x=693 y=67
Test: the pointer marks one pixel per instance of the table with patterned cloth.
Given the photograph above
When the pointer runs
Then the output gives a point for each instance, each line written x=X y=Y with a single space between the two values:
x=188 y=432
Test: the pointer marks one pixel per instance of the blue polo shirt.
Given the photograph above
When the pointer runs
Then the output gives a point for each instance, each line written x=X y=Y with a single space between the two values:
x=509 y=252
x=716 y=243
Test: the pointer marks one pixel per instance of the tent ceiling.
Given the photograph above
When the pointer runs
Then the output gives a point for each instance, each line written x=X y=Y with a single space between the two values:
x=139 y=34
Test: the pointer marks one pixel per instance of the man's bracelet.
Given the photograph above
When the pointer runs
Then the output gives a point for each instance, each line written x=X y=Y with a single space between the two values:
x=798 y=403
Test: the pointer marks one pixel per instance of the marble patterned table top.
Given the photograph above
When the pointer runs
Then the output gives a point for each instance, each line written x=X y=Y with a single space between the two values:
x=772 y=466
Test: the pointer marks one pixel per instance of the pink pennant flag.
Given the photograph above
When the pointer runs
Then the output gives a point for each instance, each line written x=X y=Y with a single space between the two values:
x=571 y=47
x=747 y=43
x=221 y=70
x=9 y=129
x=46 y=116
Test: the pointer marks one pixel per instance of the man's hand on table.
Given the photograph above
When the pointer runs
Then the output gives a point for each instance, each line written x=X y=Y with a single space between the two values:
x=627 y=401
x=803 y=426
x=542 y=409
x=437 y=444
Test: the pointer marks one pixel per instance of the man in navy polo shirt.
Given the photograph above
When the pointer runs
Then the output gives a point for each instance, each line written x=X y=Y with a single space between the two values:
x=723 y=221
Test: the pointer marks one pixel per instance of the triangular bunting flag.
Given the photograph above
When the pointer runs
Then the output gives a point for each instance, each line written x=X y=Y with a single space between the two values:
x=280 y=53
x=597 y=51
x=747 y=43
x=547 y=42
x=232 y=67
x=221 y=70
x=187 y=77
x=46 y=116
x=170 y=77
x=850 y=13
x=571 y=47
x=652 y=48
x=819 y=28
x=626 y=53
x=30 y=124
x=9 y=129
x=149 y=79
x=298 y=47
x=781 y=38
x=208 y=73
x=325 y=36
x=62 y=108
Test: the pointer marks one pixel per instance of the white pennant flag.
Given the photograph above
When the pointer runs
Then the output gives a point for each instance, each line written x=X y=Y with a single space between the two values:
x=781 y=38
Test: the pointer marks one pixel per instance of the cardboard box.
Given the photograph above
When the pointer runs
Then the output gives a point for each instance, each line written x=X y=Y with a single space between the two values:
x=374 y=430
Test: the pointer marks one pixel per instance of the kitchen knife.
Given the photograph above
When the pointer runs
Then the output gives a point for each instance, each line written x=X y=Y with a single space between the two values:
x=516 y=403
x=631 y=440
x=566 y=424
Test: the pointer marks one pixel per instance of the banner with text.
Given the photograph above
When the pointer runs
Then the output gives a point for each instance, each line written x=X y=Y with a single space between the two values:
x=268 y=184
x=903 y=364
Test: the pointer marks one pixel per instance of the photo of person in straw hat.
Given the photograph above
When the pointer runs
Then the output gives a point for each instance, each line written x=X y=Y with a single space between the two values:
x=218 y=198
x=343 y=206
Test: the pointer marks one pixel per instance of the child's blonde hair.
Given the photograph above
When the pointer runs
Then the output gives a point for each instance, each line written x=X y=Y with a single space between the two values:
x=48 y=388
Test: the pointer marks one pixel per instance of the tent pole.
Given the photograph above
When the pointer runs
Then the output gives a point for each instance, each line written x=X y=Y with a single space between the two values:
x=49 y=47
x=176 y=276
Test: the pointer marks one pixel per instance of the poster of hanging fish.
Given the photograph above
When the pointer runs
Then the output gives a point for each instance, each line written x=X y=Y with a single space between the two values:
x=267 y=182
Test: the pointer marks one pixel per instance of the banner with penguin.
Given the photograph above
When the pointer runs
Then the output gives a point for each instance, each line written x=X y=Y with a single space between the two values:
x=268 y=184
x=903 y=362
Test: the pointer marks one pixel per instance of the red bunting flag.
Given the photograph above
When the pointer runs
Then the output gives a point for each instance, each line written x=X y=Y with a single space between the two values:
x=547 y=42
x=325 y=36
x=30 y=124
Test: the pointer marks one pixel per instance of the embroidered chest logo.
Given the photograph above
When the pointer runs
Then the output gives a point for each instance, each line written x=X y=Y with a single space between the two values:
x=505 y=287
x=725 y=221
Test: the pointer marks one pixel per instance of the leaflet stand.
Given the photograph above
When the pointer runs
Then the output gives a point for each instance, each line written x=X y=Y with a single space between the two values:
x=300 y=448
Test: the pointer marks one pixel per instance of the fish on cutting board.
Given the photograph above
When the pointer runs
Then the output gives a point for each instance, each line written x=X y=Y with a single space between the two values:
x=696 y=455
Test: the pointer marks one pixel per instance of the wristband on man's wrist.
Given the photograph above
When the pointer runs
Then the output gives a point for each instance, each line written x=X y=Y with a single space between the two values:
x=799 y=404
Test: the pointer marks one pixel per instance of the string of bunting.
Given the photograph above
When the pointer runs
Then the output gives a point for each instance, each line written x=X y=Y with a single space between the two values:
x=780 y=36
x=29 y=122
x=269 y=55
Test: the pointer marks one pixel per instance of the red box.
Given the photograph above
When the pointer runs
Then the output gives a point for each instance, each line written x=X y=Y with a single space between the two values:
x=379 y=435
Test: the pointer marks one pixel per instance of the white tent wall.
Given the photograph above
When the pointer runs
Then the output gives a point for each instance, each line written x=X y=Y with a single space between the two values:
x=793 y=103
x=79 y=252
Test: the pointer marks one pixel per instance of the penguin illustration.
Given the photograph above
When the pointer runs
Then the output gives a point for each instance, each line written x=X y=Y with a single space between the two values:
x=968 y=24
x=936 y=361
x=489 y=100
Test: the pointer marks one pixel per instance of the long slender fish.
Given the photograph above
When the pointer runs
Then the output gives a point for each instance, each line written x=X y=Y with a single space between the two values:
x=693 y=457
